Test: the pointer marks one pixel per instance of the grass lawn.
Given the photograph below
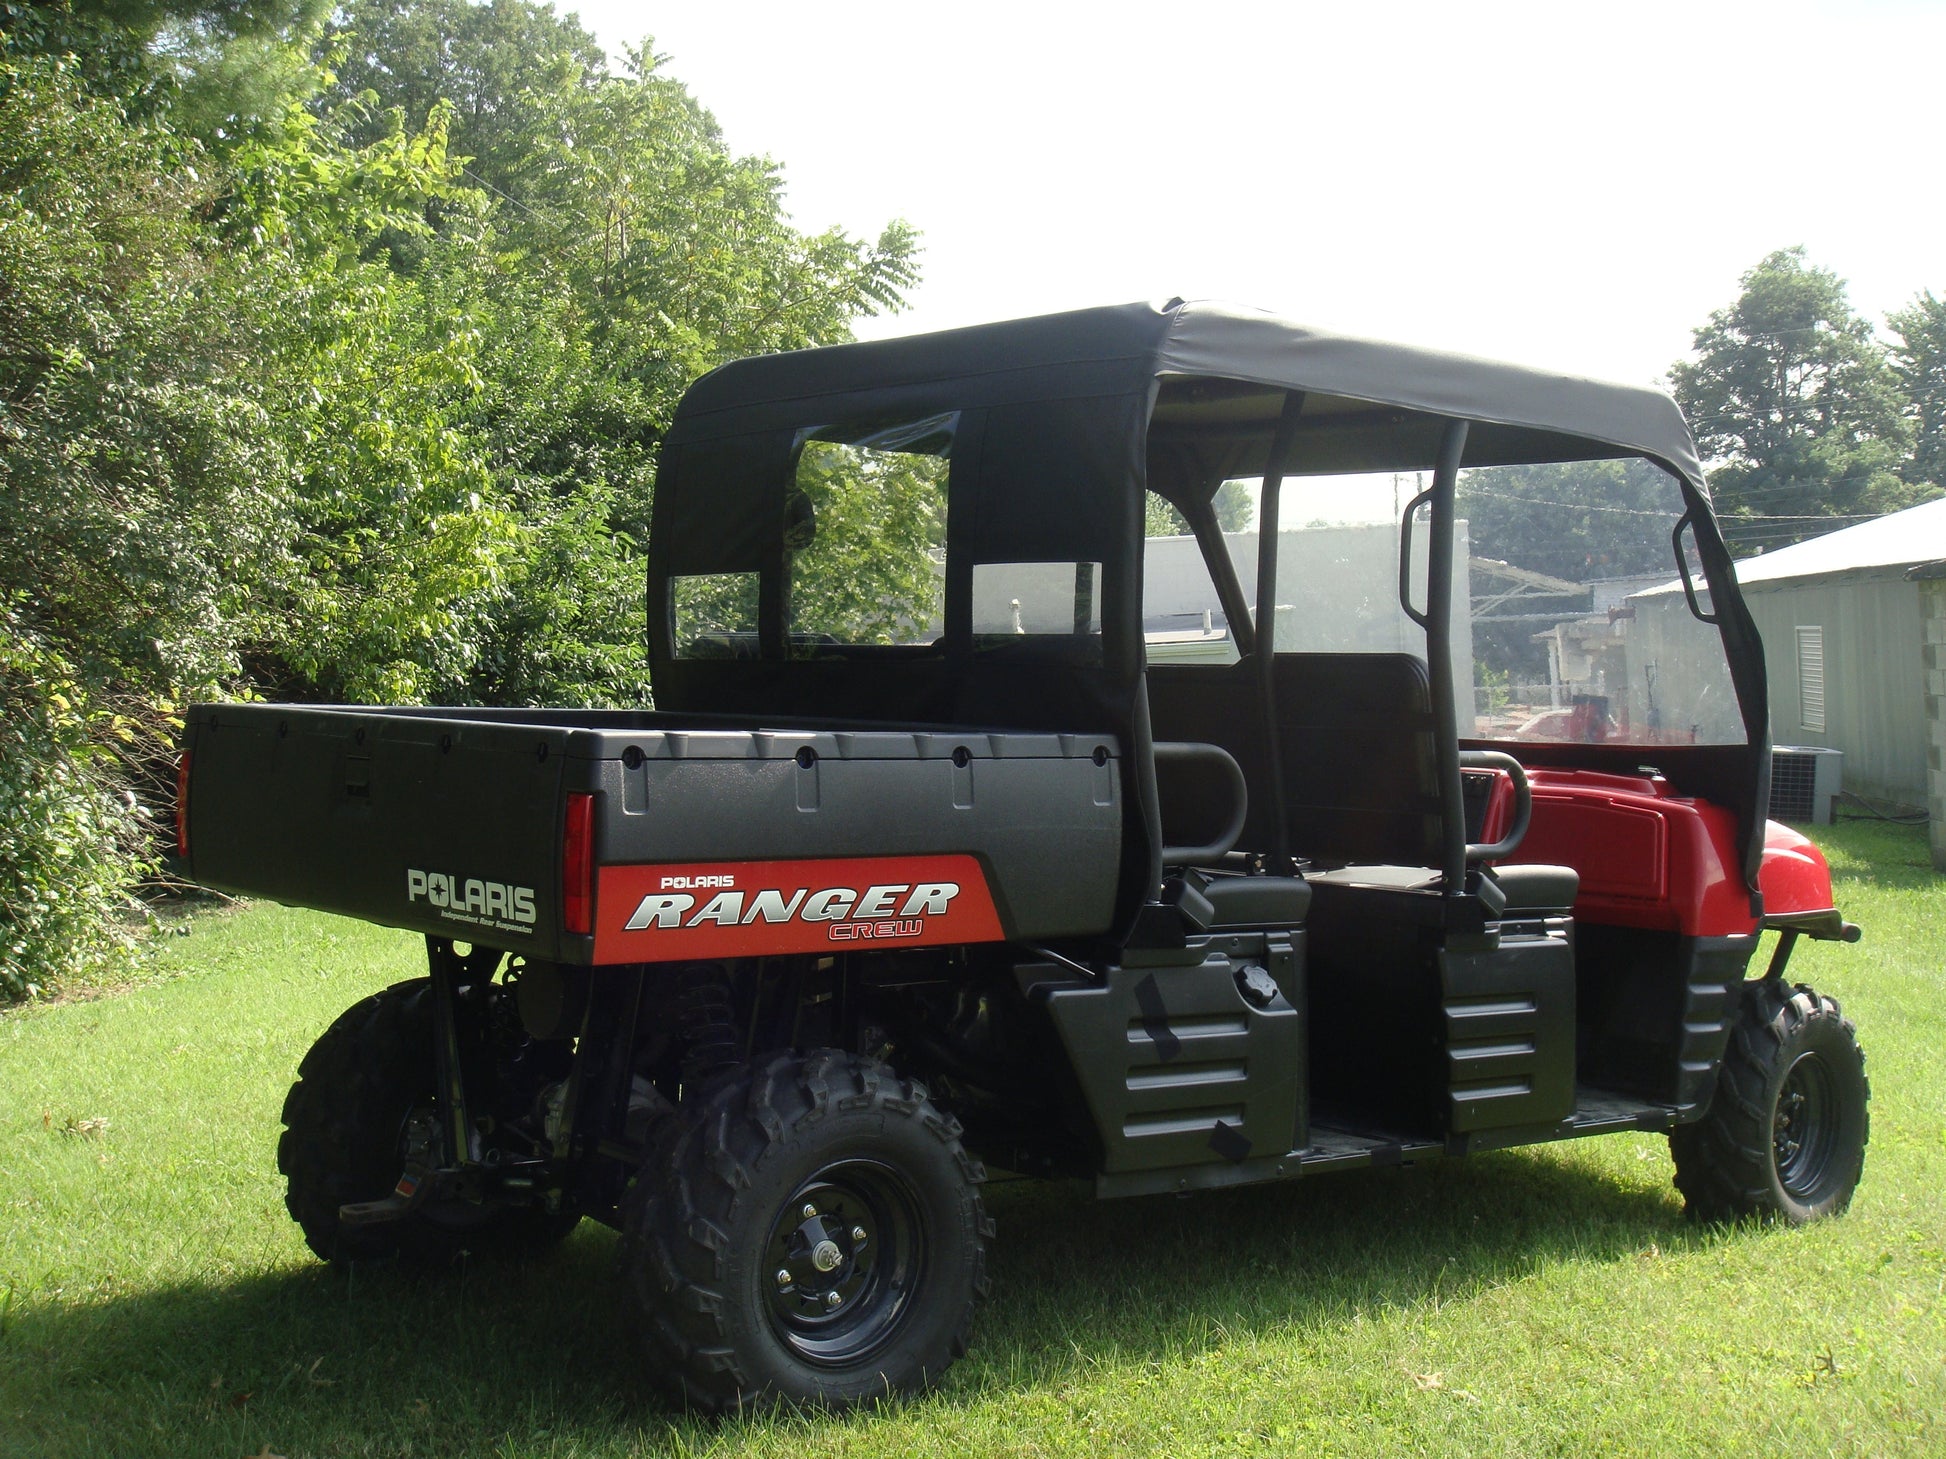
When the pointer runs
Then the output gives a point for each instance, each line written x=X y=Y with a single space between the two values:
x=156 y=1300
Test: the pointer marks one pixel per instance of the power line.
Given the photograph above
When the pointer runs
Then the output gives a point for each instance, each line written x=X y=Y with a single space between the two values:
x=1667 y=516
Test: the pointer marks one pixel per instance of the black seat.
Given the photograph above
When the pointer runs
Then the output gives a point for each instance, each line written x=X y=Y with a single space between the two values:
x=1211 y=901
x=1535 y=887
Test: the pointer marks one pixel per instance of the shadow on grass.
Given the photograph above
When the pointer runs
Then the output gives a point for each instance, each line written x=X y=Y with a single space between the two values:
x=538 y=1359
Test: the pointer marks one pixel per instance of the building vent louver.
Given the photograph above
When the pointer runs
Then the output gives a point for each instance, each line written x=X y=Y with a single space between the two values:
x=1810 y=677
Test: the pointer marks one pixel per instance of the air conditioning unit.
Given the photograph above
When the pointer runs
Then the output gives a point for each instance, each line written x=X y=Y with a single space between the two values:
x=1803 y=781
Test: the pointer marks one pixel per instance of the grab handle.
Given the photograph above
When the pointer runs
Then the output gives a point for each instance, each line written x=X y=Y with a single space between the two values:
x=1688 y=524
x=1405 y=558
x=1523 y=802
x=1192 y=751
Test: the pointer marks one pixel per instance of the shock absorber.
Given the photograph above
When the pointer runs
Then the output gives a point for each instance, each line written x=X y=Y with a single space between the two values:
x=706 y=1014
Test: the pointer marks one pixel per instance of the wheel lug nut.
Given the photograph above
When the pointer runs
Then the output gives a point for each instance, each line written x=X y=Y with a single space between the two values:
x=810 y=1211
x=783 y=1277
x=858 y=1233
x=832 y=1301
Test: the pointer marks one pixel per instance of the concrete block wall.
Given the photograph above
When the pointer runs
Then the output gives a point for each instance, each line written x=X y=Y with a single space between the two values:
x=1932 y=612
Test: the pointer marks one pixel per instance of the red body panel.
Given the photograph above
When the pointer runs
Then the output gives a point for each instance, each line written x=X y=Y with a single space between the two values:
x=759 y=908
x=1647 y=858
x=1794 y=877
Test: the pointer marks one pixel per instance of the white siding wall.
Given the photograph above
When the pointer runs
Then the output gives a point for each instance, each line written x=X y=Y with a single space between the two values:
x=1932 y=600
x=1874 y=675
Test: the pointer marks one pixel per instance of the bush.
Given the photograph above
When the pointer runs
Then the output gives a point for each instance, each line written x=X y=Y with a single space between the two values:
x=72 y=845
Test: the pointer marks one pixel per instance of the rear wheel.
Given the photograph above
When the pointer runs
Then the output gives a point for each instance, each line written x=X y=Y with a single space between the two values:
x=1785 y=1134
x=813 y=1234
x=362 y=1102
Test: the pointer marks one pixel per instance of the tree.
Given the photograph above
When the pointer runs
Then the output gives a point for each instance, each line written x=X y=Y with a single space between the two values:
x=1919 y=360
x=140 y=501
x=623 y=250
x=1235 y=506
x=216 y=66
x=1573 y=520
x=502 y=67
x=1795 y=405
x=293 y=403
x=1161 y=519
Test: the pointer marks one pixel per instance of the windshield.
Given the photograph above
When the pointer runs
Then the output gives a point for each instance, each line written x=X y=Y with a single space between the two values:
x=1569 y=621
x=1580 y=628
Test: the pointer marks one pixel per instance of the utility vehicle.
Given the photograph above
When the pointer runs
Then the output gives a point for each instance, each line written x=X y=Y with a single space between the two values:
x=1161 y=745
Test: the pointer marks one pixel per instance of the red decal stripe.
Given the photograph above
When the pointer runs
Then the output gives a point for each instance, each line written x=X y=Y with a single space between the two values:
x=761 y=908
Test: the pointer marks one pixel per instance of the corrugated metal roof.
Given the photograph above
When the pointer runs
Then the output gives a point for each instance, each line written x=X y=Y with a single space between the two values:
x=1902 y=539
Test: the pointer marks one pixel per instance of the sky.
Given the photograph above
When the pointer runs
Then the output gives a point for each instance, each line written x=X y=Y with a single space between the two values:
x=1566 y=185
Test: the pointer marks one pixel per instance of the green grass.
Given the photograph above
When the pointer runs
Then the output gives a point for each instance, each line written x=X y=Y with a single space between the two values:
x=155 y=1299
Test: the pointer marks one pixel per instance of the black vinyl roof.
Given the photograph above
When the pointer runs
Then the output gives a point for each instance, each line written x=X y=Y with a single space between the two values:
x=1131 y=346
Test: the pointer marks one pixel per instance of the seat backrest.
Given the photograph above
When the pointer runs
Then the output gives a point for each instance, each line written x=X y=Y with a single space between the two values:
x=1361 y=782
x=1355 y=734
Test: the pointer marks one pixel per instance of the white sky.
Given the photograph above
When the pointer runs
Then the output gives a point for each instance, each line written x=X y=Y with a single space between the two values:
x=1571 y=185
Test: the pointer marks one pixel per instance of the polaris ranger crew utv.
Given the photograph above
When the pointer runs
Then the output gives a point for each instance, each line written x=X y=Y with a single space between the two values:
x=1089 y=746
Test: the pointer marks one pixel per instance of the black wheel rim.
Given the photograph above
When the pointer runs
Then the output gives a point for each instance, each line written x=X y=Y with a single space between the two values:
x=1802 y=1129
x=844 y=1262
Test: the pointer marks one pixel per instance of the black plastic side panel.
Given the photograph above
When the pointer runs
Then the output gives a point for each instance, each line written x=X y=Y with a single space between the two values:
x=1655 y=1011
x=1510 y=1031
x=1712 y=991
x=1178 y=1068
x=1042 y=812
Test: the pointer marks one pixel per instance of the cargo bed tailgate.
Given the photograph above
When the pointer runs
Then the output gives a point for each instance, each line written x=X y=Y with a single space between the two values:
x=443 y=825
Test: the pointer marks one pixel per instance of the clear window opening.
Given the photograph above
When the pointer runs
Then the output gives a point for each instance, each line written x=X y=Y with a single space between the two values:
x=1580 y=629
x=865 y=535
x=715 y=615
x=1018 y=602
x=1337 y=572
x=1183 y=618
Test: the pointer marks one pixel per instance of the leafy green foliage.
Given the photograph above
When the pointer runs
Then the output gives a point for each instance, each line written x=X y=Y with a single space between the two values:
x=1161 y=519
x=873 y=534
x=71 y=838
x=1797 y=404
x=1919 y=361
x=346 y=384
x=139 y=501
x=1236 y=509
x=507 y=70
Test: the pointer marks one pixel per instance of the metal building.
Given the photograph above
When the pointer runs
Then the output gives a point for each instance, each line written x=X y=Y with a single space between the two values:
x=1854 y=631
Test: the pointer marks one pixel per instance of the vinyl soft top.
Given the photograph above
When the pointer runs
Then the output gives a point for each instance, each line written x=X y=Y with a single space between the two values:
x=1128 y=346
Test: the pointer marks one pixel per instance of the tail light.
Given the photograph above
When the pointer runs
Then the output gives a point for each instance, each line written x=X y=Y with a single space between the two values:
x=182 y=804
x=578 y=866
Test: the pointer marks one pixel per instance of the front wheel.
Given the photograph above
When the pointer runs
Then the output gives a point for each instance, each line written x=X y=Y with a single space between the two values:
x=813 y=1234
x=1785 y=1134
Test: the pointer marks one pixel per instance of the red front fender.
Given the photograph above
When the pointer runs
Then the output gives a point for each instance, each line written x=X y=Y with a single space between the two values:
x=1795 y=880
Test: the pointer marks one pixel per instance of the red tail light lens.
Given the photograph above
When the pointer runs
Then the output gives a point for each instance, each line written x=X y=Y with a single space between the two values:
x=578 y=866
x=182 y=804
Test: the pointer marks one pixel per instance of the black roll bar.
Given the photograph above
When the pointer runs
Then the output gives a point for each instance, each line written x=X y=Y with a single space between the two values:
x=1266 y=626
x=1439 y=659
